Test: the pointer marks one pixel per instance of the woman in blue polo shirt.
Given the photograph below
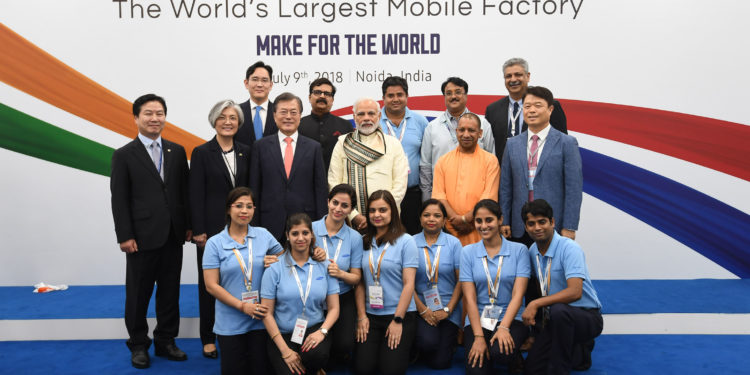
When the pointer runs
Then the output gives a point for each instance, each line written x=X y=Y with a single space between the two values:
x=343 y=247
x=386 y=314
x=494 y=275
x=296 y=291
x=437 y=292
x=232 y=269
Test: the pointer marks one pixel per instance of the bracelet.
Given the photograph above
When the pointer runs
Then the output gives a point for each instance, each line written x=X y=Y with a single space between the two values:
x=274 y=336
x=361 y=319
x=503 y=327
x=482 y=336
x=425 y=310
x=290 y=354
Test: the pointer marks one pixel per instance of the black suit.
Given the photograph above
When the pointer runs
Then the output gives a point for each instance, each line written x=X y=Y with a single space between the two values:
x=305 y=190
x=246 y=134
x=210 y=183
x=155 y=214
x=325 y=130
x=497 y=115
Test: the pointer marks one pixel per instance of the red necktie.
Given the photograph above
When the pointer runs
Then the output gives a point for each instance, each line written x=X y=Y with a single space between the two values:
x=288 y=156
x=532 y=162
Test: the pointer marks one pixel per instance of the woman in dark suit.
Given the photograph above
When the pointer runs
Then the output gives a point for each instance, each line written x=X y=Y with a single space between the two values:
x=216 y=167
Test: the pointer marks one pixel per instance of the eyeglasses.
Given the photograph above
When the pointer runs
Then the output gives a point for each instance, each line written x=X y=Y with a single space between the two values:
x=322 y=93
x=240 y=206
x=285 y=112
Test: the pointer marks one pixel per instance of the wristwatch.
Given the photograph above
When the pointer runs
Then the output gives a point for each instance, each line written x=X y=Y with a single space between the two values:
x=324 y=331
x=447 y=310
x=398 y=319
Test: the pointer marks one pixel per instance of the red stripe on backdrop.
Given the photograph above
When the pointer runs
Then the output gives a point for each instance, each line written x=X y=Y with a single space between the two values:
x=712 y=143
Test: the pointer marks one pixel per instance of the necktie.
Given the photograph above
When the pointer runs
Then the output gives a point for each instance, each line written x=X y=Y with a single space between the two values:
x=532 y=162
x=517 y=116
x=513 y=122
x=258 y=123
x=156 y=157
x=288 y=156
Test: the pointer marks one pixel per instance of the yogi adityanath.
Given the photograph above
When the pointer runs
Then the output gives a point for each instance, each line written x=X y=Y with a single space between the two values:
x=463 y=177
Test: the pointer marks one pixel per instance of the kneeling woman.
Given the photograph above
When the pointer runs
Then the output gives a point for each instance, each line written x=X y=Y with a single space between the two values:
x=233 y=269
x=386 y=314
x=494 y=275
x=296 y=291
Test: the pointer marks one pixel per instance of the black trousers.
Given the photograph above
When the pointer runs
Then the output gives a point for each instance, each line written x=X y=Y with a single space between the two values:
x=343 y=333
x=374 y=355
x=518 y=332
x=206 y=303
x=552 y=352
x=410 y=207
x=244 y=354
x=436 y=344
x=143 y=269
x=313 y=360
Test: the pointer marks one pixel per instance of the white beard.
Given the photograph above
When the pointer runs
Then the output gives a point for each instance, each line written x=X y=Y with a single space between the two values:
x=367 y=130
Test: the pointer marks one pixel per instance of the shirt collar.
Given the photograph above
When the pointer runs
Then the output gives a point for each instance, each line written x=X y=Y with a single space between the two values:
x=512 y=101
x=421 y=242
x=448 y=115
x=289 y=261
x=542 y=134
x=504 y=250
x=230 y=244
x=319 y=228
x=552 y=250
x=320 y=117
x=282 y=137
x=263 y=105
x=148 y=141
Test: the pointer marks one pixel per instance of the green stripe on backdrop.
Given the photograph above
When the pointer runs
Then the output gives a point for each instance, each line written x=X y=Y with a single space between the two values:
x=22 y=133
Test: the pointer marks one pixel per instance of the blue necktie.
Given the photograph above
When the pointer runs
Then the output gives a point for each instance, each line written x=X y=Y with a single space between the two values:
x=514 y=124
x=258 y=123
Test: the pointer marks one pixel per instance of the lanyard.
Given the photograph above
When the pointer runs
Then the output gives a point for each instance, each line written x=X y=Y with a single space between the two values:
x=543 y=285
x=338 y=248
x=452 y=133
x=232 y=168
x=376 y=277
x=432 y=272
x=538 y=147
x=393 y=132
x=514 y=118
x=493 y=288
x=306 y=293
x=246 y=271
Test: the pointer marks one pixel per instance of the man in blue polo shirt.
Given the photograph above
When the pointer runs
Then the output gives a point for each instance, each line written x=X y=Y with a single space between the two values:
x=408 y=126
x=568 y=316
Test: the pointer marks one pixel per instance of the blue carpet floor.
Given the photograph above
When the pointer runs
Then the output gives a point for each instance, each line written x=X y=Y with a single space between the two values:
x=614 y=355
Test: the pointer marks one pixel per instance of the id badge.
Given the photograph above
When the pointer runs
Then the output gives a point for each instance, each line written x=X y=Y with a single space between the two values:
x=250 y=297
x=300 y=326
x=376 y=296
x=532 y=174
x=490 y=315
x=432 y=299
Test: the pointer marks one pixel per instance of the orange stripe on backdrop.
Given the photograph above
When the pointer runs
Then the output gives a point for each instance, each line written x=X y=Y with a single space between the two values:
x=35 y=72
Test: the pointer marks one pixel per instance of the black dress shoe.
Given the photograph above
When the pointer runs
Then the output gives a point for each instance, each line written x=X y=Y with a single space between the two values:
x=213 y=354
x=171 y=351
x=139 y=358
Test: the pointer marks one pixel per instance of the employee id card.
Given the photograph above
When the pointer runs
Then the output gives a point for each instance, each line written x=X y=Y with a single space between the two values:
x=300 y=326
x=250 y=296
x=376 y=296
x=432 y=299
x=490 y=315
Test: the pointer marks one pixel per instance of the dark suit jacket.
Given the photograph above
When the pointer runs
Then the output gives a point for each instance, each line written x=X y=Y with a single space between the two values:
x=246 y=134
x=497 y=115
x=277 y=196
x=325 y=130
x=210 y=184
x=144 y=207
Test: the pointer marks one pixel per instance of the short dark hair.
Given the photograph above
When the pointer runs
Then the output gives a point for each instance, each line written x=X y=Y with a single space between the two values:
x=286 y=97
x=297 y=219
x=395 y=227
x=537 y=207
x=490 y=205
x=395 y=81
x=323 y=81
x=540 y=92
x=257 y=65
x=232 y=197
x=474 y=117
x=143 y=99
x=456 y=81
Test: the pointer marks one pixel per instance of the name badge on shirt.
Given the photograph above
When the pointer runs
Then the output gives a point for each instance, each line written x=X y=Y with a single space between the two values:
x=532 y=174
x=250 y=297
x=376 y=296
x=300 y=326
x=432 y=299
x=490 y=315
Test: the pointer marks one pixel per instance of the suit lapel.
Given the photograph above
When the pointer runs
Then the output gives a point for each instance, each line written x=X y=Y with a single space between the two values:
x=553 y=137
x=142 y=154
x=278 y=158
x=168 y=158
x=523 y=151
x=217 y=159
x=299 y=155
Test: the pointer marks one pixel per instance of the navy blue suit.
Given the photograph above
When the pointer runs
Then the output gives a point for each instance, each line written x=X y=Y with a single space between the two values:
x=277 y=196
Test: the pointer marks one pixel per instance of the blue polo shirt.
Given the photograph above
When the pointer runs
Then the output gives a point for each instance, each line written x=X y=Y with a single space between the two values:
x=400 y=255
x=568 y=261
x=279 y=284
x=219 y=254
x=412 y=141
x=351 y=247
x=515 y=264
x=450 y=262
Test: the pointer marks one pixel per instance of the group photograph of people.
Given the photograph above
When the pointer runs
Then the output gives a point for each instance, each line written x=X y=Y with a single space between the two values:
x=324 y=246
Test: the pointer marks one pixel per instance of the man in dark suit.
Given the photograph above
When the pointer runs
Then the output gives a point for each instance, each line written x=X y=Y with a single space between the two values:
x=149 y=185
x=506 y=114
x=286 y=171
x=258 y=110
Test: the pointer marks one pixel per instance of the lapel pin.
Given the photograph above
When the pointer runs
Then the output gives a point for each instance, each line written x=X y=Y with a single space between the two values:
x=169 y=150
x=240 y=154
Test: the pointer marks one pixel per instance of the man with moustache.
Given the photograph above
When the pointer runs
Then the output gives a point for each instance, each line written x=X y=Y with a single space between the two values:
x=440 y=135
x=258 y=110
x=506 y=114
x=368 y=160
x=320 y=124
x=398 y=120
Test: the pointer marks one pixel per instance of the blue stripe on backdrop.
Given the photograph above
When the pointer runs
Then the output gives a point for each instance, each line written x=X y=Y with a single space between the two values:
x=714 y=229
